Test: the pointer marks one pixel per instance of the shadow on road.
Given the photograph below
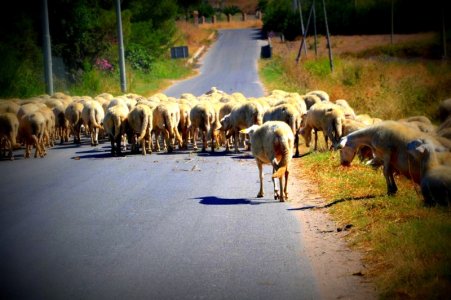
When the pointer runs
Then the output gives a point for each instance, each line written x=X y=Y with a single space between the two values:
x=213 y=200
x=336 y=202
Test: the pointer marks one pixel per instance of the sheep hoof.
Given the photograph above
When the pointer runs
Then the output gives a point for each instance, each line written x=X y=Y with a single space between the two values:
x=260 y=195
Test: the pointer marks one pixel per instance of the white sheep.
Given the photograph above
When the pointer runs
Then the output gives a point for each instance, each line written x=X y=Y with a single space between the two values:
x=321 y=94
x=92 y=115
x=9 y=128
x=242 y=116
x=166 y=117
x=114 y=123
x=272 y=143
x=326 y=117
x=388 y=141
x=347 y=109
x=203 y=120
x=140 y=127
x=73 y=115
x=31 y=132
x=435 y=176
x=288 y=114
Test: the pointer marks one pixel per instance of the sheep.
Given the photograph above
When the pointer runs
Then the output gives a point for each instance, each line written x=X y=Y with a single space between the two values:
x=272 y=143
x=140 y=127
x=9 y=107
x=367 y=119
x=326 y=117
x=166 y=117
x=444 y=110
x=311 y=100
x=421 y=123
x=114 y=123
x=435 y=176
x=49 y=134
x=348 y=110
x=9 y=128
x=388 y=141
x=31 y=131
x=185 y=123
x=92 y=115
x=321 y=94
x=61 y=123
x=444 y=129
x=226 y=109
x=242 y=116
x=288 y=114
x=203 y=119
x=73 y=114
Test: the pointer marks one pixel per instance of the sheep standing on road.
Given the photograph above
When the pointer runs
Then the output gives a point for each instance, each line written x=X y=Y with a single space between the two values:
x=241 y=117
x=288 y=114
x=115 y=126
x=203 y=120
x=31 y=132
x=92 y=115
x=9 y=128
x=272 y=143
x=140 y=128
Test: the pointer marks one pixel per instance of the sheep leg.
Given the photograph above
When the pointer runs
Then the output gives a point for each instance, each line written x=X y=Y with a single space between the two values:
x=260 y=174
x=282 y=196
x=195 y=136
x=236 y=135
x=316 y=139
x=296 y=145
x=286 y=185
x=276 y=190
x=388 y=174
x=167 y=138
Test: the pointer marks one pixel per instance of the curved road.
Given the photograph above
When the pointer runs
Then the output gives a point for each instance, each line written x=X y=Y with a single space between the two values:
x=79 y=224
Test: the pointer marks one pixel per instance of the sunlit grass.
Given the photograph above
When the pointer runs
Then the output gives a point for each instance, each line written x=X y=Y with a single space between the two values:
x=405 y=245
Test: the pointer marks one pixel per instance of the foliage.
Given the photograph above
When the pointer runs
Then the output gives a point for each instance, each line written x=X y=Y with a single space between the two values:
x=138 y=57
x=231 y=10
x=357 y=16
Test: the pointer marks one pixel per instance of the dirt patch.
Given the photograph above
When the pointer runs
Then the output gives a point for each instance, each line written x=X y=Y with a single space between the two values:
x=339 y=270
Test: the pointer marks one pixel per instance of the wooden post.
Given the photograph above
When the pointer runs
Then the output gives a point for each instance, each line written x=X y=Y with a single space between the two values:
x=392 y=21
x=243 y=16
x=328 y=38
x=302 y=23
x=213 y=19
x=314 y=30
x=196 y=17
x=298 y=57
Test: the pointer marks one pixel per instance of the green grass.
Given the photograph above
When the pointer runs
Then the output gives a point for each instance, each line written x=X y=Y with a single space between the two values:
x=405 y=244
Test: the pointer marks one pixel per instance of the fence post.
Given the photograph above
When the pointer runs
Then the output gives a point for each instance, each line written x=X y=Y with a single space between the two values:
x=328 y=38
x=196 y=17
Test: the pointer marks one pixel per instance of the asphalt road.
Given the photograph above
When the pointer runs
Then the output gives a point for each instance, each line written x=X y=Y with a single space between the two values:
x=79 y=224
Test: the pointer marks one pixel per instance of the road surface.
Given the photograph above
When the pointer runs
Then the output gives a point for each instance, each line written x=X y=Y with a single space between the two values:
x=79 y=224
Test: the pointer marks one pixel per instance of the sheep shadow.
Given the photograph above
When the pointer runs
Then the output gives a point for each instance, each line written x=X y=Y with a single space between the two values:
x=336 y=202
x=213 y=200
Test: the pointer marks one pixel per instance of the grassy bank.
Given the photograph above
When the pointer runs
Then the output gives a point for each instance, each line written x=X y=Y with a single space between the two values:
x=405 y=245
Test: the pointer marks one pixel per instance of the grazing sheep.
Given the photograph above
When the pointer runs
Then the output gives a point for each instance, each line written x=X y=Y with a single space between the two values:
x=140 y=127
x=9 y=128
x=272 y=143
x=347 y=109
x=435 y=172
x=226 y=109
x=388 y=141
x=444 y=110
x=166 y=117
x=31 y=132
x=288 y=114
x=242 y=116
x=203 y=119
x=326 y=117
x=321 y=94
x=73 y=115
x=92 y=115
x=114 y=123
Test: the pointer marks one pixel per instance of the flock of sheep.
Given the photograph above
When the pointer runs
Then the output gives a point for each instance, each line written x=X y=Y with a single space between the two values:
x=268 y=126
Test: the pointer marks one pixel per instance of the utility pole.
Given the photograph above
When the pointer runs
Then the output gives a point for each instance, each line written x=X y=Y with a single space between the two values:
x=120 y=42
x=298 y=3
x=392 y=20
x=445 y=55
x=47 y=49
x=329 y=44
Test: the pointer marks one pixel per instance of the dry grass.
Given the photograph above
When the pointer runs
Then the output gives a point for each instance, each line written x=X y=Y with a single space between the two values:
x=406 y=245
x=236 y=23
x=382 y=86
x=193 y=36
